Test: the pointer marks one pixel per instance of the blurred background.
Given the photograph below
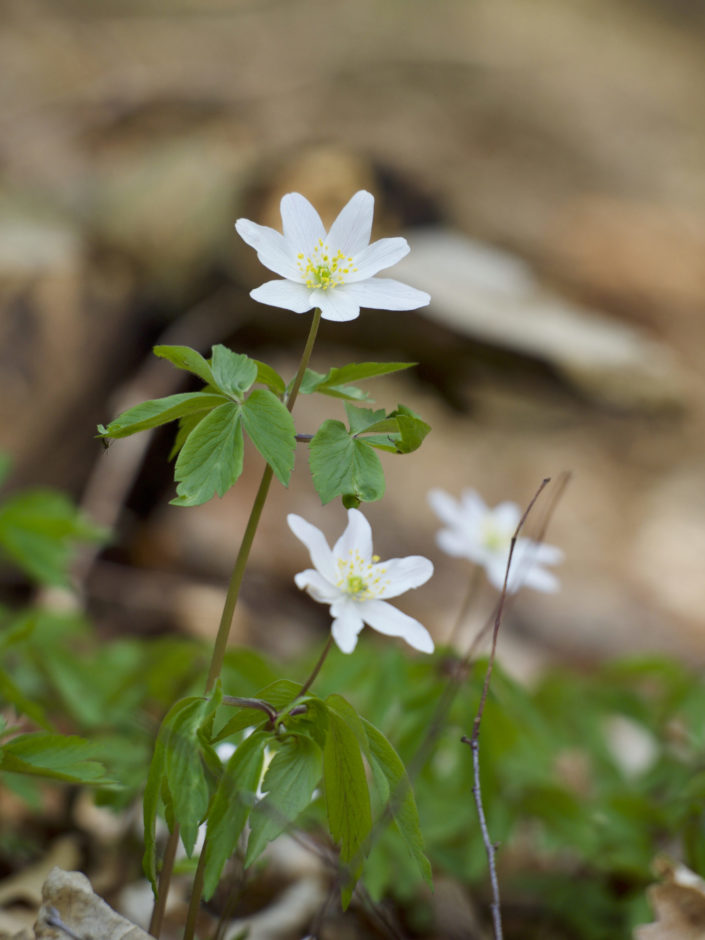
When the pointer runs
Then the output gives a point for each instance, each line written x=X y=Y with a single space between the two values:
x=546 y=162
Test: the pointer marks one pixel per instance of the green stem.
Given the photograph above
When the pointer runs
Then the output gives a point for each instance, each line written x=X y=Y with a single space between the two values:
x=221 y=640
x=317 y=668
x=473 y=585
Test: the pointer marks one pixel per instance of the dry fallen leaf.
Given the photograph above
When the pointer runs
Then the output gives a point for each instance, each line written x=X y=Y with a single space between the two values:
x=679 y=905
x=68 y=895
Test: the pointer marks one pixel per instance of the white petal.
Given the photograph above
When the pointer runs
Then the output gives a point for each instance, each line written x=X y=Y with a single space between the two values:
x=541 y=580
x=335 y=304
x=351 y=230
x=403 y=574
x=386 y=619
x=384 y=293
x=456 y=543
x=544 y=554
x=318 y=587
x=271 y=247
x=301 y=223
x=317 y=545
x=376 y=257
x=506 y=517
x=357 y=537
x=346 y=627
x=286 y=294
x=496 y=569
x=473 y=505
x=445 y=507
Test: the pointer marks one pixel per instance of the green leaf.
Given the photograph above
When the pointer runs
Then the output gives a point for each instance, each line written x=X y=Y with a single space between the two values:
x=268 y=376
x=183 y=768
x=151 y=414
x=183 y=357
x=401 y=803
x=232 y=802
x=342 y=465
x=37 y=529
x=233 y=373
x=211 y=459
x=333 y=383
x=12 y=694
x=56 y=756
x=271 y=429
x=347 y=798
x=363 y=419
x=290 y=780
x=412 y=429
x=357 y=371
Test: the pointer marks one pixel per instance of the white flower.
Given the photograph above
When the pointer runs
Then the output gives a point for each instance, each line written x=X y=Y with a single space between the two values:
x=484 y=535
x=353 y=580
x=335 y=270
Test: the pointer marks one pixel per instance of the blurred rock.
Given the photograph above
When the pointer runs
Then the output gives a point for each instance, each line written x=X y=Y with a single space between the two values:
x=491 y=296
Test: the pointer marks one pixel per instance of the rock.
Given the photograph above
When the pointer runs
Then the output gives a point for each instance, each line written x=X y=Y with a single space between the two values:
x=491 y=296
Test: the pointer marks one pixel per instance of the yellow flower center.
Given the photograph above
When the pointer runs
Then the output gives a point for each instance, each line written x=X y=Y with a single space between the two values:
x=493 y=538
x=360 y=579
x=322 y=270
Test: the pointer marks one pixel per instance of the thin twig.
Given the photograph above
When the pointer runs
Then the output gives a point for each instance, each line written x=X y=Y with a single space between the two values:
x=317 y=668
x=474 y=739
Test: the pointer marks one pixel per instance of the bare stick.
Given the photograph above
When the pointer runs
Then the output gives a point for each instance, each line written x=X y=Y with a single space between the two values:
x=474 y=739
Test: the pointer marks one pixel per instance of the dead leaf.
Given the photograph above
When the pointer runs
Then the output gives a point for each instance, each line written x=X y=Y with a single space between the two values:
x=679 y=904
x=69 y=893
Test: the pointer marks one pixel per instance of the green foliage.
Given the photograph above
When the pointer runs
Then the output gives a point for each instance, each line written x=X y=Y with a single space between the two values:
x=209 y=443
x=63 y=757
x=343 y=460
x=293 y=774
x=335 y=382
x=38 y=532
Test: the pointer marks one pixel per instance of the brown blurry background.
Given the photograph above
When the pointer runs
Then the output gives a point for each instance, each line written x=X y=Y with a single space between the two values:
x=546 y=161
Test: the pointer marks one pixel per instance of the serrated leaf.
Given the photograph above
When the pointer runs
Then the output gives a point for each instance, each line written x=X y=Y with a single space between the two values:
x=233 y=372
x=183 y=768
x=344 y=710
x=151 y=414
x=334 y=382
x=342 y=465
x=210 y=460
x=183 y=357
x=402 y=805
x=271 y=429
x=37 y=529
x=268 y=376
x=361 y=419
x=232 y=802
x=412 y=429
x=290 y=780
x=12 y=694
x=347 y=797
x=357 y=371
x=314 y=382
x=55 y=756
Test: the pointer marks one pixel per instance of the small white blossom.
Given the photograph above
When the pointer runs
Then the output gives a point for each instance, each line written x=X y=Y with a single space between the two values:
x=353 y=582
x=483 y=535
x=331 y=270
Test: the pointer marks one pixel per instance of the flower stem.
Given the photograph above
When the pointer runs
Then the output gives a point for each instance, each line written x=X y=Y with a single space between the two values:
x=317 y=668
x=221 y=640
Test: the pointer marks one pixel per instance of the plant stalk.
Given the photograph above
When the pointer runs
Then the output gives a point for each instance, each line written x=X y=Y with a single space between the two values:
x=221 y=640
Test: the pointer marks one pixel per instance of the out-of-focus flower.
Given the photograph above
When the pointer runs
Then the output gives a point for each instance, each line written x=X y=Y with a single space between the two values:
x=483 y=535
x=353 y=582
x=331 y=270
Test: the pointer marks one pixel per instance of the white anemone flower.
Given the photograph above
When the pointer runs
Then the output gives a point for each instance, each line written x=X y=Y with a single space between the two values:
x=483 y=535
x=331 y=270
x=354 y=582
